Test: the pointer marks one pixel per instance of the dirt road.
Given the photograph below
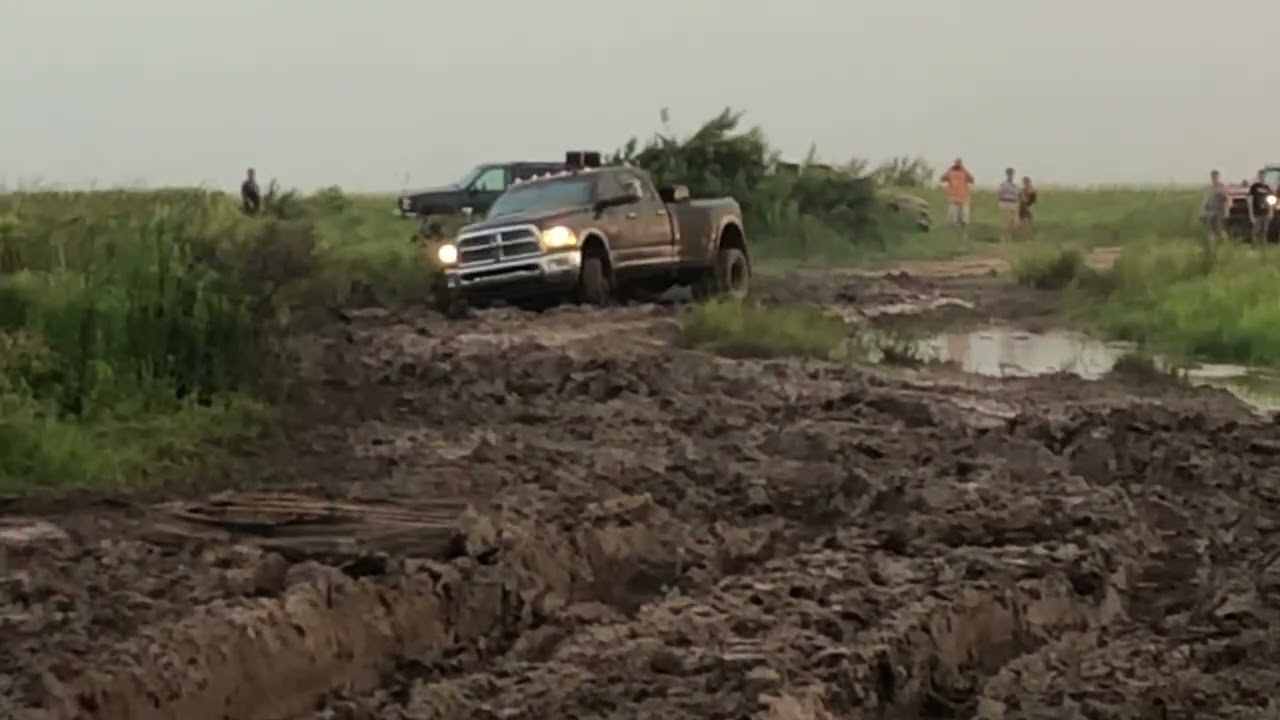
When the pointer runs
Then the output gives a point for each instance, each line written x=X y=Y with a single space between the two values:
x=522 y=516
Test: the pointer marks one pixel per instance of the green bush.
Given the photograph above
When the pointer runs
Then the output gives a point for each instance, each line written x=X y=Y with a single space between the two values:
x=791 y=210
x=1049 y=268
x=736 y=329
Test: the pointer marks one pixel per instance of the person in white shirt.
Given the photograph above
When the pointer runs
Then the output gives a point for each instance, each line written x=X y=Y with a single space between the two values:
x=1215 y=207
x=1007 y=197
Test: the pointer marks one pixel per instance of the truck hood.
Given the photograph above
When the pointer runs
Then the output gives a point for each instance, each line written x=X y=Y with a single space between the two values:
x=541 y=218
x=441 y=190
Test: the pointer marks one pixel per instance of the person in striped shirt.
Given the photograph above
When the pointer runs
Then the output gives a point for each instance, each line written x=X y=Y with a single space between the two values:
x=1007 y=197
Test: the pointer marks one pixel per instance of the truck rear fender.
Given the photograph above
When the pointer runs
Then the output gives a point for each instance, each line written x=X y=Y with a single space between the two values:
x=730 y=234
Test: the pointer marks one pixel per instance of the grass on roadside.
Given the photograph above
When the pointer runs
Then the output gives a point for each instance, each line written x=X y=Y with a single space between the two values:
x=1180 y=297
x=41 y=452
x=743 y=329
x=1049 y=268
x=1220 y=303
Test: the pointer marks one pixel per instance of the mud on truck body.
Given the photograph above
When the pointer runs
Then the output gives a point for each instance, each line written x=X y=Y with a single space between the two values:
x=596 y=234
x=1237 y=221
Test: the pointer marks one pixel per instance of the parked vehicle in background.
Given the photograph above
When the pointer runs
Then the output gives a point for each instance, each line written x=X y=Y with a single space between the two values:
x=477 y=190
x=597 y=234
x=912 y=207
x=1238 y=220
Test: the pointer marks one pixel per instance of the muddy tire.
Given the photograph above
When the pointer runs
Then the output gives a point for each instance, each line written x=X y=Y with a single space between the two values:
x=539 y=304
x=447 y=302
x=733 y=274
x=728 y=277
x=593 y=285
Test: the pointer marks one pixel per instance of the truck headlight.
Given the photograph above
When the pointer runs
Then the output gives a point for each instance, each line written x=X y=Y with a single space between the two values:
x=447 y=254
x=1271 y=199
x=558 y=237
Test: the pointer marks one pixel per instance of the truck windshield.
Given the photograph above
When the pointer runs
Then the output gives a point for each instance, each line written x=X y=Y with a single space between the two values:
x=543 y=195
x=470 y=177
x=1271 y=176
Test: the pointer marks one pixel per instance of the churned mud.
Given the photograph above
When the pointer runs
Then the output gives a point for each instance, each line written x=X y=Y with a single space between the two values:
x=561 y=515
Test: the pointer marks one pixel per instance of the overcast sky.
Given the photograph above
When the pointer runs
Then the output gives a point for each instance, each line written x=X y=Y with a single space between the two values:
x=358 y=94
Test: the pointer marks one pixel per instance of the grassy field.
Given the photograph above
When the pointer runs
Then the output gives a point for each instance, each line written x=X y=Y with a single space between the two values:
x=138 y=329
x=1074 y=217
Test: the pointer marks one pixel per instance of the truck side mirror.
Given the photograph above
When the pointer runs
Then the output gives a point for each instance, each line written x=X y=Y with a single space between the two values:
x=674 y=193
x=632 y=190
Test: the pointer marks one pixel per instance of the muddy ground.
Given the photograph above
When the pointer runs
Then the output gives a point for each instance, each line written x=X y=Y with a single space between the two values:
x=653 y=532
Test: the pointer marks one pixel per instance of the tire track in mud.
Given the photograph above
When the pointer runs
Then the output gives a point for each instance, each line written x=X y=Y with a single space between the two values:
x=661 y=532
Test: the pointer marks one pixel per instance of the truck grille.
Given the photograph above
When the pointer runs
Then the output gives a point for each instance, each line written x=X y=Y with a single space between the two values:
x=499 y=245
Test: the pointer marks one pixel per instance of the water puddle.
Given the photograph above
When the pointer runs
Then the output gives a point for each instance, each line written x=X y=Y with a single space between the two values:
x=918 y=306
x=1006 y=352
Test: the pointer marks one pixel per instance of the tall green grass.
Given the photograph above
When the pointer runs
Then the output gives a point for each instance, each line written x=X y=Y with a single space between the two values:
x=1216 y=303
x=137 y=326
x=742 y=330
x=1179 y=296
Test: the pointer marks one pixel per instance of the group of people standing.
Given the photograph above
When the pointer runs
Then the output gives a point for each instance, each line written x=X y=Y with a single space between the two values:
x=1261 y=203
x=1015 y=202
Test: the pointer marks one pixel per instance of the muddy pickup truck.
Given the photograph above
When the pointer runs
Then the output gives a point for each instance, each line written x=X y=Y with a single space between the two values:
x=596 y=234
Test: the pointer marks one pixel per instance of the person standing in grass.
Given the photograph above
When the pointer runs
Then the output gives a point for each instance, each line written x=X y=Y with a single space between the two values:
x=959 y=184
x=1260 y=207
x=1026 y=201
x=1215 y=206
x=250 y=196
x=1007 y=199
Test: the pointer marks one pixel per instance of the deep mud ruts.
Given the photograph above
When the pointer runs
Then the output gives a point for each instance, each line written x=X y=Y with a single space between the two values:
x=660 y=533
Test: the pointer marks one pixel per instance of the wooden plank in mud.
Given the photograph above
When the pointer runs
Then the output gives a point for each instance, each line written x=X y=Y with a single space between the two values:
x=304 y=527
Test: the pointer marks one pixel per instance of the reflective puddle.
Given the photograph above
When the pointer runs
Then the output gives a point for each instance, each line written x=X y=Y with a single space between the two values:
x=1004 y=352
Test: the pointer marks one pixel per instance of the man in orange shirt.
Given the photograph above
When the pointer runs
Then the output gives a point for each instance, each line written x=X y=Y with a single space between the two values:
x=959 y=184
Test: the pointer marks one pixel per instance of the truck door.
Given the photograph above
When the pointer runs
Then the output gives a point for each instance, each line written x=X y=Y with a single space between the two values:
x=620 y=222
x=650 y=222
x=486 y=188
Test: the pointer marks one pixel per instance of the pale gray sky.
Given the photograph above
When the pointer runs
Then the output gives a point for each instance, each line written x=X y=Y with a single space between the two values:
x=317 y=92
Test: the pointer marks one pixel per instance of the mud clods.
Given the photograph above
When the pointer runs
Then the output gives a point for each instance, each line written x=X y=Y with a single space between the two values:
x=651 y=532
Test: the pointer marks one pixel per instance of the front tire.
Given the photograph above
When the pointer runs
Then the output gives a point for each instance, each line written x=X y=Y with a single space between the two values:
x=448 y=302
x=594 y=286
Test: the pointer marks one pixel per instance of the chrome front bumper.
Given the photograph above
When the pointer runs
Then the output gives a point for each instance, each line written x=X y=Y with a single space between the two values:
x=558 y=269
